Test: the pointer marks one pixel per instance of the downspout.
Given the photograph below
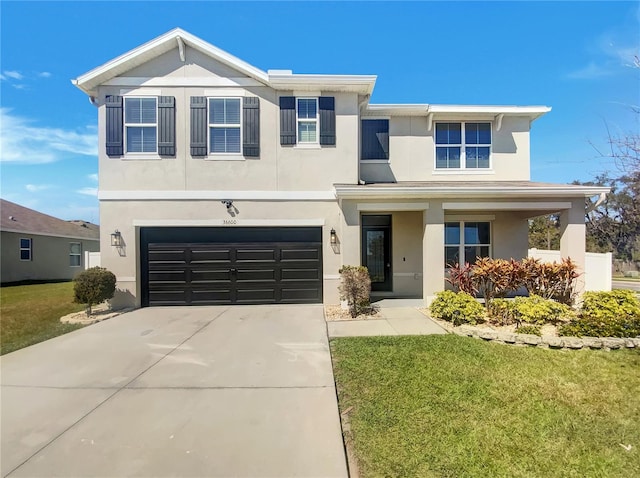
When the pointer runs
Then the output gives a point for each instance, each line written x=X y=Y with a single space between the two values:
x=361 y=105
x=601 y=198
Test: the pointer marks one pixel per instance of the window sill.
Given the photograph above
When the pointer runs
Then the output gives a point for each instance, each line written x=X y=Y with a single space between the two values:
x=374 y=161
x=307 y=146
x=141 y=157
x=225 y=157
x=462 y=171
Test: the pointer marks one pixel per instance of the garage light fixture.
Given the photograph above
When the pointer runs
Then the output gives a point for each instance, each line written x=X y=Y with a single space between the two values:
x=333 y=238
x=116 y=239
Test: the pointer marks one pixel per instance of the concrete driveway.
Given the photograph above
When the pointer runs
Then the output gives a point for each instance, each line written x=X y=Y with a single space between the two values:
x=180 y=391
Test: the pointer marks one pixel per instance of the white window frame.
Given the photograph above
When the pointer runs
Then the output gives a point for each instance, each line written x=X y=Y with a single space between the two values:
x=461 y=255
x=73 y=254
x=463 y=148
x=139 y=125
x=210 y=153
x=308 y=120
x=30 y=248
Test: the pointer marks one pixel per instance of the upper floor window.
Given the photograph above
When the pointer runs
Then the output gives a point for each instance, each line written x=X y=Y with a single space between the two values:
x=141 y=124
x=463 y=145
x=75 y=254
x=466 y=241
x=374 y=139
x=224 y=125
x=307 y=120
x=25 y=249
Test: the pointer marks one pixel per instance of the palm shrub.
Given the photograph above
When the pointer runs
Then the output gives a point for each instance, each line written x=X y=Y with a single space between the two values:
x=457 y=308
x=355 y=288
x=614 y=313
x=93 y=286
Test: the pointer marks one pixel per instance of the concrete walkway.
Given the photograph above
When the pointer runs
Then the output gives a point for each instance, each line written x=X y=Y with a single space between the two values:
x=243 y=391
x=396 y=318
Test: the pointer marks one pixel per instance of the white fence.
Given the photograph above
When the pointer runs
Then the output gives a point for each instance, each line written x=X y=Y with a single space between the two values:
x=597 y=273
x=91 y=259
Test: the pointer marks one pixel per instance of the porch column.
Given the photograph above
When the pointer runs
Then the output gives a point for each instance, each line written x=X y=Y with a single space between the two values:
x=432 y=251
x=573 y=238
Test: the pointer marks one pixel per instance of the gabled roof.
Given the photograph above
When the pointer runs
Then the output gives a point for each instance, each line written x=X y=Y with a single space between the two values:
x=177 y=38
x=16 y=218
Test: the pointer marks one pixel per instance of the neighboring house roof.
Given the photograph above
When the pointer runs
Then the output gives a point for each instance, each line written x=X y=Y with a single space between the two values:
x=466 y=189
x=16 y=218
x=178 y=38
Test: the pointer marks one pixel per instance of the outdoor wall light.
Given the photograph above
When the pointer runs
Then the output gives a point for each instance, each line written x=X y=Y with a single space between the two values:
x=228 y=203
x=116 y=239
x=333 y=238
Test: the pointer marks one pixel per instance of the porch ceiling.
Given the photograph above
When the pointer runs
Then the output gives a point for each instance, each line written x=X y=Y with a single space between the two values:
x=466 y=190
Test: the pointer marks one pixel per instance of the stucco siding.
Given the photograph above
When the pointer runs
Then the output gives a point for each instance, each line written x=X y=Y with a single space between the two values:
x=412 y=153
x=49 y=258
x=123 y=215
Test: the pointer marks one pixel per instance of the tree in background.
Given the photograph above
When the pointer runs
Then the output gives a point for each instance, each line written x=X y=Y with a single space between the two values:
x=544 y=232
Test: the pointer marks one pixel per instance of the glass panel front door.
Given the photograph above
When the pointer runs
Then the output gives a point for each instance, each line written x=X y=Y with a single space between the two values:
x=376 y=233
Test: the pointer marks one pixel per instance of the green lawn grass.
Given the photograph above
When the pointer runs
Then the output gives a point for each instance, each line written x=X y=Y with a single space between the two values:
x=31 y=313
x=451 y=406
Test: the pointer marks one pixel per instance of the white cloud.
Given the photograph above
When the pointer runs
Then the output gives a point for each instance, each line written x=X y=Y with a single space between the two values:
x=93 y=177
x=19 y=86
x=44 y=74
x=22 y=142
x=88 y=191
x=591 y=71
x=32 y=188
x=2 y=77
x=16 y=75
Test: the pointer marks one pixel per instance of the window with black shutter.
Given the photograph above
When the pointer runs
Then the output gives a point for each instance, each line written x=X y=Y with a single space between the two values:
x=374 y=139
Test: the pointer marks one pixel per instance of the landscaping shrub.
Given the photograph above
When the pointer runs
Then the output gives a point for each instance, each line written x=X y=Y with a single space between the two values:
x=93 y=286
x=550 y=279
x=461 y=277
x=539 y=311
x=529 y=310
x=457 y=308
x=501 y=311
x=529 y=329
x=496 y=277
x=606 y=314
x=355 y=288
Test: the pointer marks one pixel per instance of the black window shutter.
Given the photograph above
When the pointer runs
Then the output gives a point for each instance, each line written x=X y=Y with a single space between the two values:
x=251 y=126
x=166 y=126
x=375 y=139
x=326 y=105
x=287 y=120
x=114 y=126
x=198 y=126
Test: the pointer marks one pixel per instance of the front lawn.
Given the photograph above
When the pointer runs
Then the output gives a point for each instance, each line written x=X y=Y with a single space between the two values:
x=456 y=406
x=31 y=313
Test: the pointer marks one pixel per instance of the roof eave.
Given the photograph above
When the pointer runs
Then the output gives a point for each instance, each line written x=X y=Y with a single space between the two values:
x=363 y=84
x=360 y=192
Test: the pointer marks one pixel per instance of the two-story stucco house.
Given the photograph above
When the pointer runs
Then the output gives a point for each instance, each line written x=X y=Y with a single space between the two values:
x=231 y=185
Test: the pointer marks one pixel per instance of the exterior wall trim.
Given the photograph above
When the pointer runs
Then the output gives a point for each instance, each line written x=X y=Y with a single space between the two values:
x=226 y=222
x=392 y=206
x=469 y=217
x=177 y=81
x=504 y=206
x=50 y=235
x=172 y=195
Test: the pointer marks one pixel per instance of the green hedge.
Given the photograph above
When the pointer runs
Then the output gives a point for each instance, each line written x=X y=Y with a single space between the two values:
x=606 y=314
x=458 y=308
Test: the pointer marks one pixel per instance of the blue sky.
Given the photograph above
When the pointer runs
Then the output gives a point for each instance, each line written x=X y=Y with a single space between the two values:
x=576 y=57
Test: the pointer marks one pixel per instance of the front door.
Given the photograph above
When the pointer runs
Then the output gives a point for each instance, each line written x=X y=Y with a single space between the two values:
x=376 y=250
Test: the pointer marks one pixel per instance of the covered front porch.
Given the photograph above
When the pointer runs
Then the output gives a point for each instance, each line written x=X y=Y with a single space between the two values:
x=407 y=233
